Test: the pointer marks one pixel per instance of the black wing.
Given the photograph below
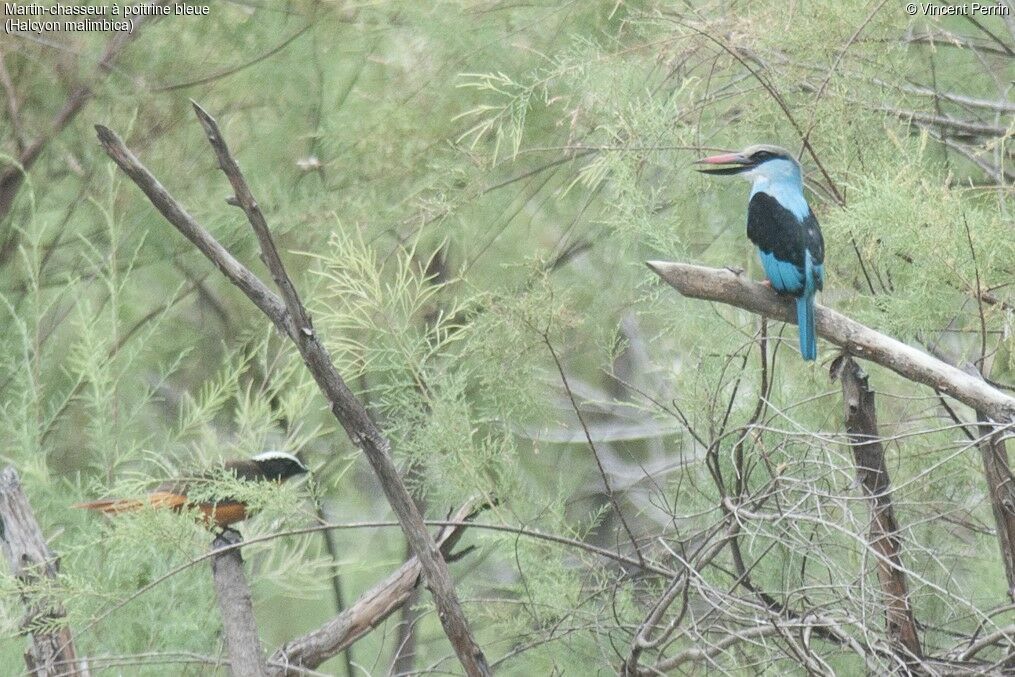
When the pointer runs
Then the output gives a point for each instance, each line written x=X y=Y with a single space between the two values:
x=243 y=469
x=775 y=230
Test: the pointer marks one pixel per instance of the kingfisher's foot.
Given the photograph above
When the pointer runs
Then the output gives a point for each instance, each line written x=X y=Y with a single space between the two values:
x=766 y=283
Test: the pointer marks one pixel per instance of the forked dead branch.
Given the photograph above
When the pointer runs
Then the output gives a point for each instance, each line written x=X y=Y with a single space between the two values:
x=289 y=315
x=367 y=612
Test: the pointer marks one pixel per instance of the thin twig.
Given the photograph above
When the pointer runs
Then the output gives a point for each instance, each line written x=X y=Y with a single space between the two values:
x=234 y=69
x=835 y=65
x=595 y=453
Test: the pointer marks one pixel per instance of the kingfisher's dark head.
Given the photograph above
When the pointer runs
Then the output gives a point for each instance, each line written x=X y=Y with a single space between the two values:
x=279 y=466
x=761 y=161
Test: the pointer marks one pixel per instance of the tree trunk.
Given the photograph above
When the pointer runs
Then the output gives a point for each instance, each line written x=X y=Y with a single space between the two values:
x=51 y=649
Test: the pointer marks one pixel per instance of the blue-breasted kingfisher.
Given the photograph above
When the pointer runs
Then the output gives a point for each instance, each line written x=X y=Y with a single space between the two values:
x=782 y=226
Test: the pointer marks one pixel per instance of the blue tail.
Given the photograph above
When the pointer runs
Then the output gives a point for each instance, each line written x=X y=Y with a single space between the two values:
x=805 y=319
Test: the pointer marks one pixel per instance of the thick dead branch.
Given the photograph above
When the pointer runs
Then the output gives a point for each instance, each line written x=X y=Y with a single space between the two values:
x=51 y=650
x=290 y=316
x=735 y=289
x=369 y=611
x=233 y=595
x=869 y=455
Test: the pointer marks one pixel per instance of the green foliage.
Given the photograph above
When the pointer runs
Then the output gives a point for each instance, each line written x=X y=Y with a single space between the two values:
x=465 y=194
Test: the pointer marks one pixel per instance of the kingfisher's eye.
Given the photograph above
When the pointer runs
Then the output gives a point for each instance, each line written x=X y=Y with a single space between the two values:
x=761 y=156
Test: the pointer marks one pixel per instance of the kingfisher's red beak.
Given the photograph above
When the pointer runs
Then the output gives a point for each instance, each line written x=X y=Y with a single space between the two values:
x=737 y=162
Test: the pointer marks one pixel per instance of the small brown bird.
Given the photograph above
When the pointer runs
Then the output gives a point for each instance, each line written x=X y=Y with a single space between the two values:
x=276 y=466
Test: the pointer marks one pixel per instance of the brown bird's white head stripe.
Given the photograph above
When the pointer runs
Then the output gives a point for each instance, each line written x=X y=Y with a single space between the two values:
x=278 y=456
x=278 y=465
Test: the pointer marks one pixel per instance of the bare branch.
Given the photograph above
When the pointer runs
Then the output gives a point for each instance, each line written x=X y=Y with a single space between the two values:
x=712 y=650
x=733 y=288
x=51 y=652
x=233 y=595
x=1006 y=634
x=297 y=313
x=353 y=416
x=997 y=174
x=957 y=125
x=999 y=106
